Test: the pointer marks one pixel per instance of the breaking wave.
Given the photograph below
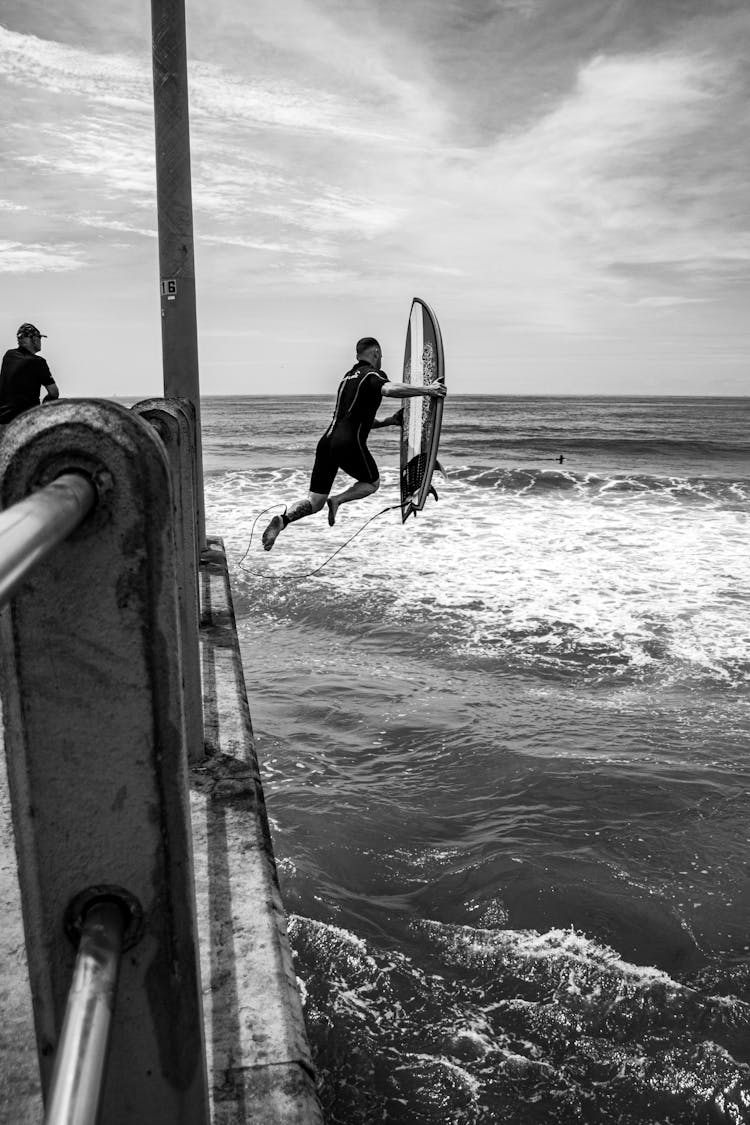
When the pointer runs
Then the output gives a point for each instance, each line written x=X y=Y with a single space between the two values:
x=724 y=491
x=548 y=1028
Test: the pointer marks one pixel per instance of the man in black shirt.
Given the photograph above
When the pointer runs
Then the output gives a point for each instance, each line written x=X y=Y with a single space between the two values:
x=23 y=374
x=344 y=444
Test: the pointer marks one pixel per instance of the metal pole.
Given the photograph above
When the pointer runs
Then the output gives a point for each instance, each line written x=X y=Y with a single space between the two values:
x=175 y=218
x=78 y=1076
x=30 y=529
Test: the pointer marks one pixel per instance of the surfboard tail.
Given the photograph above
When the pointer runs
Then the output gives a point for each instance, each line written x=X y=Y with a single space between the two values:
x=408 y=508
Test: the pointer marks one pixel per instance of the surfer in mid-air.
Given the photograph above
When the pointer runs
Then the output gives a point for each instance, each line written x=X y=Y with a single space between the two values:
x=344 y=444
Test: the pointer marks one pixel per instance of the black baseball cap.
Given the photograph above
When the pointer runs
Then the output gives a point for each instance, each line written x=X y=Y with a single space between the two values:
x=29 y=330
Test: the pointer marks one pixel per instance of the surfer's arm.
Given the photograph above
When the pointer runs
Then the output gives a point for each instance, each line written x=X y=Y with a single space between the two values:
x=392 y=420
x=408 y=390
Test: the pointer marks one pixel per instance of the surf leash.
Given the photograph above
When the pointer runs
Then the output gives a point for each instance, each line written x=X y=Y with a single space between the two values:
x=310 y=573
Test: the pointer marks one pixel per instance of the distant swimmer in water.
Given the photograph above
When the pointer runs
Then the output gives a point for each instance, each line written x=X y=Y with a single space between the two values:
x=344 y=444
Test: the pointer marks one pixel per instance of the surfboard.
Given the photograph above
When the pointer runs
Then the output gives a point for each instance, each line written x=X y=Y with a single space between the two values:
x=424 y=363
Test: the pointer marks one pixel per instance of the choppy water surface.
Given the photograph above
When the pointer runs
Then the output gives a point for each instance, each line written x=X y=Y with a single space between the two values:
x=505 y=751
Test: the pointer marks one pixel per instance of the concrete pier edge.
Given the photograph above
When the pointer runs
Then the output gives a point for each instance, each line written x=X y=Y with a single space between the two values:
x=259 y=1063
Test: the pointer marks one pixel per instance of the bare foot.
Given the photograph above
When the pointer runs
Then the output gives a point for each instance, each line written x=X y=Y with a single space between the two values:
x=271 y=534
x=333 y=507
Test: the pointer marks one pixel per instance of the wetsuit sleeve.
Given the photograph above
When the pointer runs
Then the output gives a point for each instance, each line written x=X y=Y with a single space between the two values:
x=376 y=380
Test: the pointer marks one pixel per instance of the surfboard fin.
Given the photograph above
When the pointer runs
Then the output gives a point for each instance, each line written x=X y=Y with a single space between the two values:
x=433 y=492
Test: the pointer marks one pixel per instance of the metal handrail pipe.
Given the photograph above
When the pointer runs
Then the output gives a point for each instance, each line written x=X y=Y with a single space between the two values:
x=32 y=528
x=78 y=1077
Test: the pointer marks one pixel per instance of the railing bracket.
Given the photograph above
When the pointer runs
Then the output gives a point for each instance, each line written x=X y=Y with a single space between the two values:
x=130 y=907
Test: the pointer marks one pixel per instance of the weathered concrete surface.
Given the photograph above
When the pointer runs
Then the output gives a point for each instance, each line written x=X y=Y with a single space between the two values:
x=174 y=422
x=259 y=1064
x=20 y=1085
x=258 y=1056
x=96 y=751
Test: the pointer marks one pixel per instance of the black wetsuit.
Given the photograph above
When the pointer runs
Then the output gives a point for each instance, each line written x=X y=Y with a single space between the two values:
x=22 y=376
x=344 y=444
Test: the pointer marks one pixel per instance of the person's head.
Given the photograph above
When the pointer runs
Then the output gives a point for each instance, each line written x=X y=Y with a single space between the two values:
x=30 y=337
x=368 y=348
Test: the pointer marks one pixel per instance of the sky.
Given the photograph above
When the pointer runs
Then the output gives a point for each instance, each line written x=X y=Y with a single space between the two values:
x=565 y=182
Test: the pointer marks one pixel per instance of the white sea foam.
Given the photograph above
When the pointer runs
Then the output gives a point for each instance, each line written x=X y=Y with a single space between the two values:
x=556 y=1011
x=553 y=580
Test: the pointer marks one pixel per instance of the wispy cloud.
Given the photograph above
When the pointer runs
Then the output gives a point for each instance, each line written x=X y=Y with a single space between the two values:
x=111 y=79
x=541 y=165
x=37 y=258
x=104 y=146
x=611 y=177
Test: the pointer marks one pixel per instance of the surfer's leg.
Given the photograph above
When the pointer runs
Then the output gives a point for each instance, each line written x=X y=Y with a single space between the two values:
x=357 y=461
x=298 y=511
x=321 y=481
x=357 y=491
x=302 y=508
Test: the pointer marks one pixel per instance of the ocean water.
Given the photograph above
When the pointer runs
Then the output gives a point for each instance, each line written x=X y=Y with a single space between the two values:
x=505 y=749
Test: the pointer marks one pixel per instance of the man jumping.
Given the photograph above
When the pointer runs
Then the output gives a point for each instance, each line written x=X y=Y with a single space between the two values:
x=344 y=444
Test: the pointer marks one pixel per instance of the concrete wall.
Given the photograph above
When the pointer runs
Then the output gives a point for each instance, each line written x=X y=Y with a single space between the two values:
x=259 y=1060
x=259 y=1063
x=209 y=882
